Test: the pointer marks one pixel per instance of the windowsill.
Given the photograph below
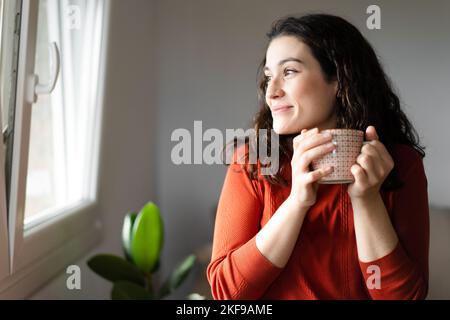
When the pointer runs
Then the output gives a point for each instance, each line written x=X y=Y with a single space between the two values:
x=27 y=280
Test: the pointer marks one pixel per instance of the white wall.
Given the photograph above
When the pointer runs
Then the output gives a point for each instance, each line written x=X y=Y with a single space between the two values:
x=173 y=62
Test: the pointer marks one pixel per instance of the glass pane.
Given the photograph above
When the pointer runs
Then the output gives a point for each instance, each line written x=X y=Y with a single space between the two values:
x=41 y=179
x=9 y=52
x=2 y=113
x=4 y=47
x=63 y=123
x=7 y=58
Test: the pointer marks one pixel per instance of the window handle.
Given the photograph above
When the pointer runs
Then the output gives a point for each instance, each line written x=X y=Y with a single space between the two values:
x=37 y=88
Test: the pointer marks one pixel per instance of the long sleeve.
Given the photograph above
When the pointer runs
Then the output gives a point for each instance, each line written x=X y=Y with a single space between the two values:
x=237 y=269
x=404 y=271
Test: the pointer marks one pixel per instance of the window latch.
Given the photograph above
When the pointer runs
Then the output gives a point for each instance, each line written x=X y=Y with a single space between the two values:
x=35 y=88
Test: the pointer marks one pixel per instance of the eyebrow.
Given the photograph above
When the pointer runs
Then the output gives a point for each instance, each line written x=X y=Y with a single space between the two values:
x=283 y=62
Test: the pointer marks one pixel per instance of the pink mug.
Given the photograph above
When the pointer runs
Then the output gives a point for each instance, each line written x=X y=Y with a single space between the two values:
x=348 y=146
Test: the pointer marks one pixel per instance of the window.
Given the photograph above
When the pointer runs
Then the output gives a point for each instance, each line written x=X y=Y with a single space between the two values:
x=52 y=54
x=61 y=148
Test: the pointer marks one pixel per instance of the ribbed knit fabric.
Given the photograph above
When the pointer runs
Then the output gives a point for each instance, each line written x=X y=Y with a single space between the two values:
x=324 y=263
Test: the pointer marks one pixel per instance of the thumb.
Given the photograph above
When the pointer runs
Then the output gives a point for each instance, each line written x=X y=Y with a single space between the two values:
x=371 y=133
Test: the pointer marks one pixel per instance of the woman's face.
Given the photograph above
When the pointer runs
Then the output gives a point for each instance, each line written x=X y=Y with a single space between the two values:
x=297 y=93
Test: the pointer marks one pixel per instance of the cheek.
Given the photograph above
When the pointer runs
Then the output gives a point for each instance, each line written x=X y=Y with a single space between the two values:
x=303 y=92
x=306 y=84
x=314 y=91
x=298 y=89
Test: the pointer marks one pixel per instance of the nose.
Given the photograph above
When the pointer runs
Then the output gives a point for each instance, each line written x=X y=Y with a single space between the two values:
x=274 y=90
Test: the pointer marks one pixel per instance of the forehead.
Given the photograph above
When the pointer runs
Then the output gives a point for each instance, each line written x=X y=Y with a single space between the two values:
x=286 y=46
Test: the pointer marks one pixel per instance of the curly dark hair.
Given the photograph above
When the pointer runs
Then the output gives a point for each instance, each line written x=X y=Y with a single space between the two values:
x=364 y=96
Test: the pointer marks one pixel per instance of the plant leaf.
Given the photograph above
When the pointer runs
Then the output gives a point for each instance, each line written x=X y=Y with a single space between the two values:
x=114 y=268
x=178 y=276
x=124 y=290
x=127 y=226
x=147 y=238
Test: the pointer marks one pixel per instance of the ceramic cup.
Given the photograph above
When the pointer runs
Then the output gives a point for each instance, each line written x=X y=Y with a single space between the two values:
x=348 y=146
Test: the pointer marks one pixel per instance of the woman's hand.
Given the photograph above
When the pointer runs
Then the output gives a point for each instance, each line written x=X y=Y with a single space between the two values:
x=308 y=146
x=371 y=169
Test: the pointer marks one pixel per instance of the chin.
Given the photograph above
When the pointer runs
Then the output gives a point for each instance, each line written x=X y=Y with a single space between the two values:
x=285 y=130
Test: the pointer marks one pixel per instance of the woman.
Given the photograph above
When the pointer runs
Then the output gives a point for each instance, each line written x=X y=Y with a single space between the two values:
x=287 y=237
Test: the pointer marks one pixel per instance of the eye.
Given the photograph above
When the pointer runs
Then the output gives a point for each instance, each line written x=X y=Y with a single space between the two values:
x=288 y=72
x=267 y=79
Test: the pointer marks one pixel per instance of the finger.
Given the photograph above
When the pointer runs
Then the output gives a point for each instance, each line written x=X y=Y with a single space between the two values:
x=373 y=171
x=371 y=133
x=371 y=150
x=382 y=152
x=308 y=133
x=379 y=163
x=307 y=157
x=304 y=140
x=359 y=174
x=313 y=141
x=312 y=131
x=318 y=174
x=299 y=137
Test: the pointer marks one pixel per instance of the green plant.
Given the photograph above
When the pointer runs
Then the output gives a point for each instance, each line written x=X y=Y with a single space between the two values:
x=142 y=239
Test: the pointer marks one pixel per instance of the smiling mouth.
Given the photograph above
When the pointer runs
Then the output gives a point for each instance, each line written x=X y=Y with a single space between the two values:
x=278 y=110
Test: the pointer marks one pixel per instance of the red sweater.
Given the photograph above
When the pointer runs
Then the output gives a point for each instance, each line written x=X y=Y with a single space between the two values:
x=324 y=263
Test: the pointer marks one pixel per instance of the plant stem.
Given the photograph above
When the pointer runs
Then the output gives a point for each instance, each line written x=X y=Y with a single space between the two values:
x=148 y=277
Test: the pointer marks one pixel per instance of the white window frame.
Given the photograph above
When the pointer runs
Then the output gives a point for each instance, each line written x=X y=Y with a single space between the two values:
x=38 y=253
x=4 y=252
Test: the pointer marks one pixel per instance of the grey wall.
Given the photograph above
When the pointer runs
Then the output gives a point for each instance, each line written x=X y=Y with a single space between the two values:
x=173 y=62
x=207 y=55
